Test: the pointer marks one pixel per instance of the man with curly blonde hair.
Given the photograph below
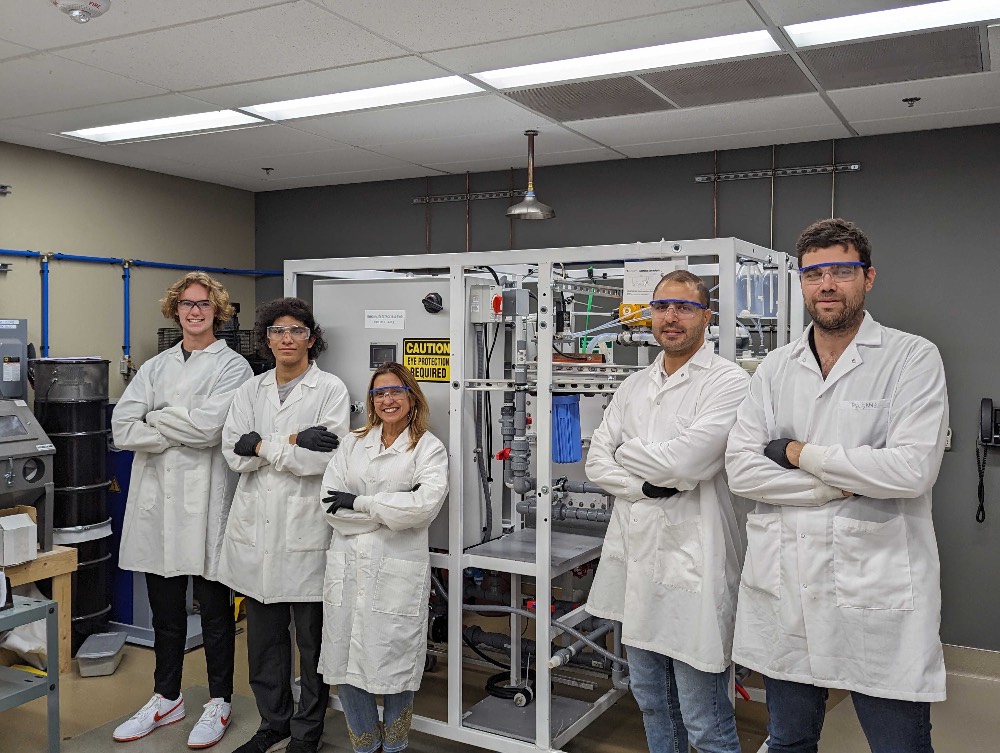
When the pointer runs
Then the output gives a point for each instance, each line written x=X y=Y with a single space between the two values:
x=171 y=415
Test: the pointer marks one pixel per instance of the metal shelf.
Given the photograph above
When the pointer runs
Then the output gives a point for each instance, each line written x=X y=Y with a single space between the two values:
x=515 y=552
x=17 y=687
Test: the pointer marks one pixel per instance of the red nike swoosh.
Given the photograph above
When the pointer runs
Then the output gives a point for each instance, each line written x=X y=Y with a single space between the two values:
x=225 y=720
x=157 y=717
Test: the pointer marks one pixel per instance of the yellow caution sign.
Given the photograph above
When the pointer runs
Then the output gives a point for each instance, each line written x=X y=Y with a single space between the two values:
x=115 y=487
x=429 y=359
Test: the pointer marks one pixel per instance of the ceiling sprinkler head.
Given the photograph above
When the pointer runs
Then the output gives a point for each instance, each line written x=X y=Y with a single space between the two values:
x=82 y=11
x=911 y=101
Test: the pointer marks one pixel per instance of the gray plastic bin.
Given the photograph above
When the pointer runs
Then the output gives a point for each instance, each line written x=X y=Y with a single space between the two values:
x=100 y=654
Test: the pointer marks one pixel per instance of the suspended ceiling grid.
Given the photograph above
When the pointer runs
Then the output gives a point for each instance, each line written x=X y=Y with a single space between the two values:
x=148 y=59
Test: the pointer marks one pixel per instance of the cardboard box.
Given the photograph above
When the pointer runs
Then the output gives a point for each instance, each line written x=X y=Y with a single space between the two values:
x=18 y=535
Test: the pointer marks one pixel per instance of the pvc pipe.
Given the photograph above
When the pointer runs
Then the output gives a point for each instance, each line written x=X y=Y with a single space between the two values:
x=595 y=343
x=619 y=678
x=217 y=270
x=12 y=252
x=92 y=259
x=126 y=290
x=44 y=271
x=563 y=655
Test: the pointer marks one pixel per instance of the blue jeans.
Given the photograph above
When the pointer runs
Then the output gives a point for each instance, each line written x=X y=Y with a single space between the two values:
x=366 y=732
x=680 y=703
x=796 y=712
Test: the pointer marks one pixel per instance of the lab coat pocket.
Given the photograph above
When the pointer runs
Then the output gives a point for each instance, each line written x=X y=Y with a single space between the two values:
x=333 y=580
x=399 y=587
x=196 y=492
x=762 y=567
x=305 y=530
x=862 y=423
x=871 y=564
x=242 y=524
x=679 y=555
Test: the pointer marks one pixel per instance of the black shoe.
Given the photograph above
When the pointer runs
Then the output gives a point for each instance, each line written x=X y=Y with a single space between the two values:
x=301 y=746
x=261 y=742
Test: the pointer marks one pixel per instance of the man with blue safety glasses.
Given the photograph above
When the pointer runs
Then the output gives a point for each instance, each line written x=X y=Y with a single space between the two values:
x=839 y=442
x=671 y=552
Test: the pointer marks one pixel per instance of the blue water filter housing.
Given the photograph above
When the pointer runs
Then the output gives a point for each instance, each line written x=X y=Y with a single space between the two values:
x=567 y=446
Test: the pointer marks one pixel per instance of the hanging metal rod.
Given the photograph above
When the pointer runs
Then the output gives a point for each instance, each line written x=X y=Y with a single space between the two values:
x=477 y=196
x=781 y=172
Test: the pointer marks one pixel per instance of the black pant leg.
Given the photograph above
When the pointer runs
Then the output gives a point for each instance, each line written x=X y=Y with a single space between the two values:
x=218 y=629
x=307 y=724
x=168 y=604
x=269 y=656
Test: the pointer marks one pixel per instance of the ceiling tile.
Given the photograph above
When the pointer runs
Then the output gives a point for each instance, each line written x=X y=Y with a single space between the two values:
x=738 y=141
x=784 y=12
x=269 y=42
x=881 y=61
x=38 y=24
x=481 y=113
x=450 y=23
x=510 y=145
x=112 y=113
x=731 y=81
x=590 y=99
x=329 y=161
x=42 y=83
x=9 y=49
x=226 y=147
x=503 y=163
x=312 y=84
x=928 y=121
x=939 y=95
x=695 y=22
x=38 y=139
x=719 y=120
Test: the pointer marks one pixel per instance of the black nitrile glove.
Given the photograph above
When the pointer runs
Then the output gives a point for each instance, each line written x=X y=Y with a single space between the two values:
x=339 y=501
x=247 y=445
x=775 y=450
x=415 y=487
x=317 y=439
x=657 y=492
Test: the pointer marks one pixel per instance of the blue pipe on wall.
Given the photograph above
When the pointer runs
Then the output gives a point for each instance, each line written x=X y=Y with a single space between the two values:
x=127 y=278
x=95 y=259
x=11 y=252
x=217 y=270
x=45 y=307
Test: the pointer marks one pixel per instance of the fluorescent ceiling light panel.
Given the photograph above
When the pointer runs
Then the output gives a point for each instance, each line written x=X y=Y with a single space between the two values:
x=363 y=99
x=143 y=129
x=626 y=61
x=896 y=21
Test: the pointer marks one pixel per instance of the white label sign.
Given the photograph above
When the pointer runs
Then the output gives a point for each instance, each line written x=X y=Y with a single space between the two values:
x=11 y=370
x=641 y=277
x=385 y=318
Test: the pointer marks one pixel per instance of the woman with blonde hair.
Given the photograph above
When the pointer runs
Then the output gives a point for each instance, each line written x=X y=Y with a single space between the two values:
x=383 y=489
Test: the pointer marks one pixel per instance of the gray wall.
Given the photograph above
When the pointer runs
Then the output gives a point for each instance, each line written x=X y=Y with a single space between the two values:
x=930 y=201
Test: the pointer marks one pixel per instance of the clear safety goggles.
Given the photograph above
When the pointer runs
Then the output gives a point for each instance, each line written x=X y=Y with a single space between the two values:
x=297 y=332
x=682 y=309
x=384 y=393
x=188 y=305
x=844 y=271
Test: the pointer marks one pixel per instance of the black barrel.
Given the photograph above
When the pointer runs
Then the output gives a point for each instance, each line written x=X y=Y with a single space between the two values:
x=71 y=397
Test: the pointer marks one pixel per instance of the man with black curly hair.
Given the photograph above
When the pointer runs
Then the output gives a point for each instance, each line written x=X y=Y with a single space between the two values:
x=280 y=435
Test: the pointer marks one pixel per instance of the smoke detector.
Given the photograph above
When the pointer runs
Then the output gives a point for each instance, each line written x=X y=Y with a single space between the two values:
x=82 y=11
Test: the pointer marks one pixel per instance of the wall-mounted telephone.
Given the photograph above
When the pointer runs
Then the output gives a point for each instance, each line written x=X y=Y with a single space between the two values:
x=989 y=423
x=989 y=435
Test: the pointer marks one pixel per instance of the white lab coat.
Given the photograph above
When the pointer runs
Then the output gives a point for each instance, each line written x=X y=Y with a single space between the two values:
x=378 y=568
x=844 y=592
x=675 y=562
x=171 y=416
x=276 y=538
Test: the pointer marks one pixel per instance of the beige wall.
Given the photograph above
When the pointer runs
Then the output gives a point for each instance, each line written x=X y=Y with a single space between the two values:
x=64 y=204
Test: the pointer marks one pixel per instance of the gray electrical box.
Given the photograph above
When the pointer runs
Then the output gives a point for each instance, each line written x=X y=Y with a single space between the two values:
x=13 y=359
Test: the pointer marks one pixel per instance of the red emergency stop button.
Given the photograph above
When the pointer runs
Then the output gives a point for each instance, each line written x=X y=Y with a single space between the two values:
x=497 y=304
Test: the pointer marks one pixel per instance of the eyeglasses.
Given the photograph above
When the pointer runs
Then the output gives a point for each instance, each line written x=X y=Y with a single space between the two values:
x=844 y=271
x=382 y=393
x=297 y=332
x=682 y=309
x=188 y=305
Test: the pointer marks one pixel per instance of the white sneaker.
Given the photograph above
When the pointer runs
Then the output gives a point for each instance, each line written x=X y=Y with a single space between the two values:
x=213 y=724
x=157 y=713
